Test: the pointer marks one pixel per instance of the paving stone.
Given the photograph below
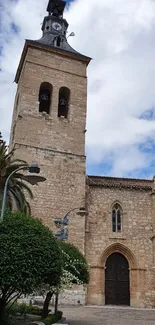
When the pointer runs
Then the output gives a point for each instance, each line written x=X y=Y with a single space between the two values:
x=108 y=316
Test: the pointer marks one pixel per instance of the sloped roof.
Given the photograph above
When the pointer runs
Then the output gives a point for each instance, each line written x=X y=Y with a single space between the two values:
x=115 y=182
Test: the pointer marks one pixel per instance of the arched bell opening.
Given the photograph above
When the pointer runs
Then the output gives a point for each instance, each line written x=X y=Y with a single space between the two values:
x=45 y=95
x=57 y=41
x=63 y=104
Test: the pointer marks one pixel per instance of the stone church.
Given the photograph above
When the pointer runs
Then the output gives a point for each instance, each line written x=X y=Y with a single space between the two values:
x=117 y=234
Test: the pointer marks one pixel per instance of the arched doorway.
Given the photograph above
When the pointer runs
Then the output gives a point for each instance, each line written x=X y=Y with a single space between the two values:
x=117 y=283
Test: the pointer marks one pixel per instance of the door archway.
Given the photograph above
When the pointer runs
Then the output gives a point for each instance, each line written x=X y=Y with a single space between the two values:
x=117 y=283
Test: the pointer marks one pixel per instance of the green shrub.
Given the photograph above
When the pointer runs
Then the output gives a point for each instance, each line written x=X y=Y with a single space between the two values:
x=53 y=318
x=33 y=310
x=58 y=315
x=49 y=320
x=22 y=309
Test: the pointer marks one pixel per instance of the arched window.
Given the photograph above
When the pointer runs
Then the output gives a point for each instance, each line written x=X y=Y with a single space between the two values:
x=45 y=94
x=116 y=218
x=57 y=41
x=63 y=105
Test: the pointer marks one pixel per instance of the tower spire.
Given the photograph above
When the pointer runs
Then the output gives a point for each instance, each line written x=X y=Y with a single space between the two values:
x=56 y=8
x=54 y=27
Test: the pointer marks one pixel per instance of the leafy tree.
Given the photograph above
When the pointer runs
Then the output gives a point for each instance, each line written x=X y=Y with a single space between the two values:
x=29 y=256
x=74 y=271
x=74 y=263
x=17 y=188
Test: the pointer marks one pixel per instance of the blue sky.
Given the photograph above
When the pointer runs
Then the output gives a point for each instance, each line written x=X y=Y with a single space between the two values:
x=119 y=36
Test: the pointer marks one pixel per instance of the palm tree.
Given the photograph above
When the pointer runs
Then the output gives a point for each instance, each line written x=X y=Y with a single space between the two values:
x=17 y=188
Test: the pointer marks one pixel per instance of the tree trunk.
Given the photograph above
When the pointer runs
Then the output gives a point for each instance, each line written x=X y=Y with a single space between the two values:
x=46 y=304
x=56 y=302
x=2 y=310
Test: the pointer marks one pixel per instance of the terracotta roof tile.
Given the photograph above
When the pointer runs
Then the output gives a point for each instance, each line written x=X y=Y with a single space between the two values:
x=128 y=183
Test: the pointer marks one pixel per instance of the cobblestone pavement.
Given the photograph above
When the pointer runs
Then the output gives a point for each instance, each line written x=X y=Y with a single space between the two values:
x=108 y=316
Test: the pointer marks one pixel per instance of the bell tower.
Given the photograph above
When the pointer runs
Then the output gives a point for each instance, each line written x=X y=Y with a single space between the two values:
x=49 y=120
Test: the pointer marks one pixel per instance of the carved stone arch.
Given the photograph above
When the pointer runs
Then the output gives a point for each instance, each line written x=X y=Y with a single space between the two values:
x=116 y=202
x=123 y=207
x=122 y=249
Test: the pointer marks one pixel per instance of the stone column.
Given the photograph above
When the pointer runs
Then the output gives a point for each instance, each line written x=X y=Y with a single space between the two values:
x=96 y=286
x=137 y=287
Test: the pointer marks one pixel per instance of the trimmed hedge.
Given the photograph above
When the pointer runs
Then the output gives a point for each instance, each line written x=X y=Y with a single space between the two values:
x=51 y=319
x=22 y=309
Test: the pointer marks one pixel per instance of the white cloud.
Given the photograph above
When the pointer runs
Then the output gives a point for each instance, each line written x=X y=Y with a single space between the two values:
x=119 y=36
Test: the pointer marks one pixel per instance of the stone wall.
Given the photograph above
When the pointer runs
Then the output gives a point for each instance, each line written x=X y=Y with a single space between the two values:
x=72 y=298
x=56 y=144
x=63 y=189
x=134 y=241
x=75 y=297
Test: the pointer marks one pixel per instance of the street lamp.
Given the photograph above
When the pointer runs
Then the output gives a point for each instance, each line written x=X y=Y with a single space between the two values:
x=33 y=179
x=62 y=223
x=62 y=234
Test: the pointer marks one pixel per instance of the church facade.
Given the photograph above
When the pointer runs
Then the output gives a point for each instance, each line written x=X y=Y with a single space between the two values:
x=117 y=232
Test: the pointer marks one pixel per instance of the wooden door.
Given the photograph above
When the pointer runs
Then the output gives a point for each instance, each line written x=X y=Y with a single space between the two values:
x=117 y=284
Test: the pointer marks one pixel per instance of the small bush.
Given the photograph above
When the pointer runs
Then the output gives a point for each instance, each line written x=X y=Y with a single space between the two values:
x=49 y=320
x=22 y=309
x=33 y=310
x=53 y=318
x=58 y=315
